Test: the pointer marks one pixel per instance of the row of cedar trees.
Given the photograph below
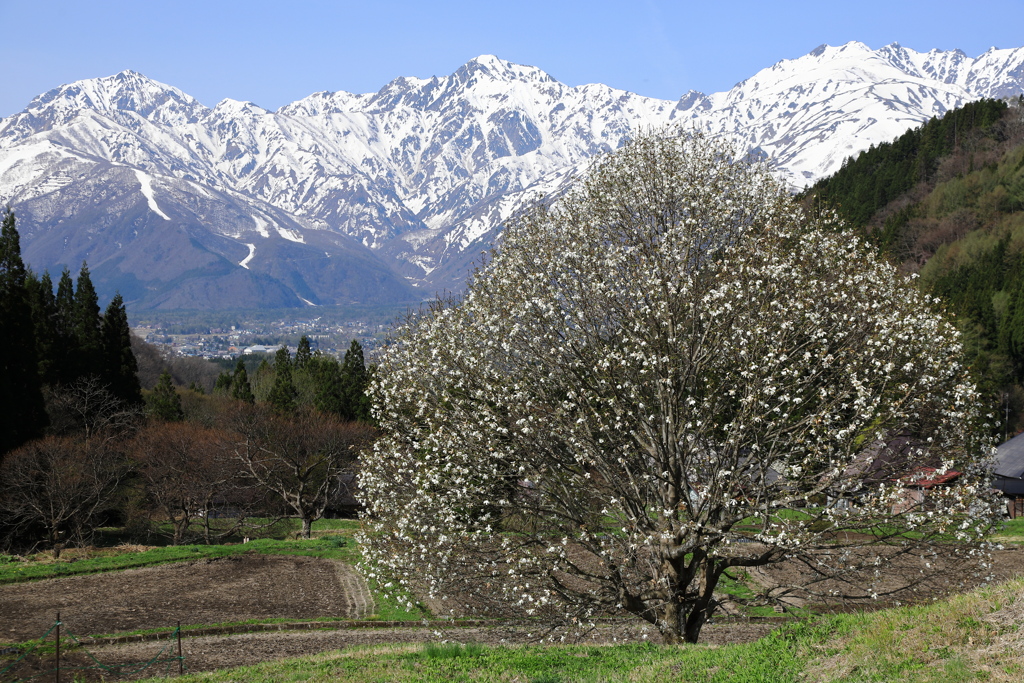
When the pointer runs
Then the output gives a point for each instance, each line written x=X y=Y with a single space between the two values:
x=310 y=379
x=80 y=449
x=48 y=340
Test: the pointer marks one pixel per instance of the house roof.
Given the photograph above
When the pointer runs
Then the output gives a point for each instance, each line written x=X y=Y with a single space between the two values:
x=927 y=477
x=1010 y=458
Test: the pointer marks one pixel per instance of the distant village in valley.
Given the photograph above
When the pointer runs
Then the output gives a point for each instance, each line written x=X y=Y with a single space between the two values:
x=331 y=338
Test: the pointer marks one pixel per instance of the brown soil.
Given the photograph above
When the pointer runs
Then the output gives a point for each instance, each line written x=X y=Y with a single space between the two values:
x=783 y=582
x=254 y=586
x=228 y=589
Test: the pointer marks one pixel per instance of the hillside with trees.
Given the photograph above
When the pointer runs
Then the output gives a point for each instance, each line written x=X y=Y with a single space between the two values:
x=946 y=201
x=83 y=445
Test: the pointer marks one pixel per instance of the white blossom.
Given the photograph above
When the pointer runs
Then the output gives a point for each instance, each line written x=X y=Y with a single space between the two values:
x=667 y=356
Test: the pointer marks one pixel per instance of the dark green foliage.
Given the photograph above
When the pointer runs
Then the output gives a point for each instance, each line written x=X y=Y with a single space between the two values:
x=241 y=390
x=329 y=396
x=876 y=177
x=67 y=342
x=164 y=402
x=118 y=369
x=354 y=380
x=22 y=415
x=283 y=395
x=304 y=354
x=340 y=388
x=223 y=383
x=86 y=323
x=45 y=324
x=310 y=379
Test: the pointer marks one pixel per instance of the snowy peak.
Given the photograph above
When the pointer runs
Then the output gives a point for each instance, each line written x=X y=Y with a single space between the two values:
x=489 y=67
x=425 y=171
x=120 y=94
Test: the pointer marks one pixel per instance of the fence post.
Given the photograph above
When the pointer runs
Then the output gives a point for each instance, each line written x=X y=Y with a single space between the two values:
x=57 y=676
x=180 y=659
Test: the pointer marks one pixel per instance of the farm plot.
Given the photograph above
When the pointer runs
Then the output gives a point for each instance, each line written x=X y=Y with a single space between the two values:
x=210 y=591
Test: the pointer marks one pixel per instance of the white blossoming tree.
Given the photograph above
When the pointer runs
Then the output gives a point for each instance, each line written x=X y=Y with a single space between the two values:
x=668 y=373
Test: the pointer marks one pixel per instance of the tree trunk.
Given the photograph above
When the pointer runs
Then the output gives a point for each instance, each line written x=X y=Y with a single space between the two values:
x=693 y=626
x=307 y=527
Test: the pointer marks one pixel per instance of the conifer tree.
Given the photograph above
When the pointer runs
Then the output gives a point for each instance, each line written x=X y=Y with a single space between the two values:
x=354 y=380
x=44 y=321
x=22 y=414
x=241 y=390
x=283 y=394
x=119 y=369
x=223 y=383
x=328 y=396
x=304 y=353
x=67 y=342
x=164 y=402
x=86 y=323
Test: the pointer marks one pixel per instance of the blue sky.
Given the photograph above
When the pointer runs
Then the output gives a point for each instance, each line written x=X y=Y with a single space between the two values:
x=273 y=53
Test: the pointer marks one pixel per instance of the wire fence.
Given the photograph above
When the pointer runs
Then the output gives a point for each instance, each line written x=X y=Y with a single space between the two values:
x=43 y=659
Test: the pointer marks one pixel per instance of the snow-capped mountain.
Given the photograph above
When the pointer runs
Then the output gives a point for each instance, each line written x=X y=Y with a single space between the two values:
x=345 y=197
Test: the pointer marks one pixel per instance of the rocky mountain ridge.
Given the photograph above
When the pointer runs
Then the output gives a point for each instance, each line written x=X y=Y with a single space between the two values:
x=389 y=196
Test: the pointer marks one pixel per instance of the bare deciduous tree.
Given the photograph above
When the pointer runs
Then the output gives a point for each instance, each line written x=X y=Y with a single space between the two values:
x=55 y=489
x=669 y=373
x=190 y=474
x=300 y=457
x=87 y=407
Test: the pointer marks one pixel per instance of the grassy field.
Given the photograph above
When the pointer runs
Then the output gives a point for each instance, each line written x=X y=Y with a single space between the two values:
x=1012 y=532
x=970 y=637
x=333 y=539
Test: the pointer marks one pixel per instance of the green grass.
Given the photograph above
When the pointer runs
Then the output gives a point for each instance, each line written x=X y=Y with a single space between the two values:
x=950 y=641
x=258 y=527
x=1012 y=531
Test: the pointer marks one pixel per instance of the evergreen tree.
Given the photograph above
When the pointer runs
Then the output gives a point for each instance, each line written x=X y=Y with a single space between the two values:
x=44 y=320
x=328 y=395
x=241 y=390
x=119 y=369
x=67 y=344
x=86 y=325
x=22 y=413
x=223 y=383
x=164 y=402
x=283 y=394
x=354 y=381
x=304 y=353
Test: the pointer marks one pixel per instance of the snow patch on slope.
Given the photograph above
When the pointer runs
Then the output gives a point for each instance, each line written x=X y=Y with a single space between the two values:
x=291 y=235
x=252 y=252
x=147 y=191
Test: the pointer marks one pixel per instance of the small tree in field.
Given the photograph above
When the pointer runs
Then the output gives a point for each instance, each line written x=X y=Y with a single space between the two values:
x=298 y=458
x=187 y=470
x=669 y=373
x=55 y=490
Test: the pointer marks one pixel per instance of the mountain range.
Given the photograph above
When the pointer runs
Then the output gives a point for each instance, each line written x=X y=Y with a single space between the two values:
x=391 y=196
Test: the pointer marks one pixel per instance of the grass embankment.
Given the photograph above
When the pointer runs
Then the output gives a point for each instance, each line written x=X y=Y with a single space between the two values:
x=969 y=637
x=334 y=540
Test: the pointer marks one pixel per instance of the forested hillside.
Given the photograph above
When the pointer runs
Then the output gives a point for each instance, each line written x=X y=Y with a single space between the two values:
x=946 y=200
